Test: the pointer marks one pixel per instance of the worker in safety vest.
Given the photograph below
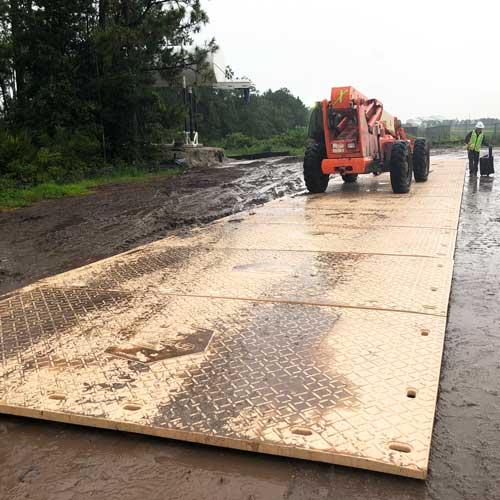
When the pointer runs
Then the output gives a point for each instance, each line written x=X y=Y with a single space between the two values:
x=475 y=140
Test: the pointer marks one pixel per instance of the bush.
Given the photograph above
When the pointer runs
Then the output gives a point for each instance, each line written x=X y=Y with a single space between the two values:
x=293 y=140
x=64 y=157
x=16 y=152
x=238 y=140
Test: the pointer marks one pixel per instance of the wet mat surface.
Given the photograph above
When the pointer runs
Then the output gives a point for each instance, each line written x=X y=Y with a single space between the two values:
x=291 y=337
x=284 y=276
x=346 y=217
x=384 y=240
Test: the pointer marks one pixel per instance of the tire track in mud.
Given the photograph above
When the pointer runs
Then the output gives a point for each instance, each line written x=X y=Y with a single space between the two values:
x=54 y=236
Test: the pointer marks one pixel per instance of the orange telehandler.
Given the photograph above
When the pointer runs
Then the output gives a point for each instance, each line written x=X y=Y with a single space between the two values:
x=353 y=135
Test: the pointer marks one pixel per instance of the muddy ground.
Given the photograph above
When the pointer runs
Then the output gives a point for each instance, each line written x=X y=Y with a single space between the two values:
x=57 y=235
x=40 y=460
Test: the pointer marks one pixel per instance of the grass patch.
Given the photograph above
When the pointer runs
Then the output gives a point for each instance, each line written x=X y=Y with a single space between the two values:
x=14 y=197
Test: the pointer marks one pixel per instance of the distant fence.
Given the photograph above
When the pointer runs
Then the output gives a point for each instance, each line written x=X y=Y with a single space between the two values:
x=459 y=131
x=454 y=132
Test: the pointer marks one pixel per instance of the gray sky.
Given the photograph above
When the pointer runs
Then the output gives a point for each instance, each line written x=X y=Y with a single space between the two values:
x=419 y=58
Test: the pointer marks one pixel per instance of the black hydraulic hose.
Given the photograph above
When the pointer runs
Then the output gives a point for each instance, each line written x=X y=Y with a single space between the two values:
x=191 y=118
x=195 y=111
x=186 y=108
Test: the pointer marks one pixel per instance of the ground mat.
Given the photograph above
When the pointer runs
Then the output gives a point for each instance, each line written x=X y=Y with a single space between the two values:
x=311 y=327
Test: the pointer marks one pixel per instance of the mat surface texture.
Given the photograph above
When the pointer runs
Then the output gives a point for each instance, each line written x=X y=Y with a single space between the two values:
x=311 y=327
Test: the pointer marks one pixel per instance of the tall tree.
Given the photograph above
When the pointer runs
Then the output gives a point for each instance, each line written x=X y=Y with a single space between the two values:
x=89 y=64
x=223 y=113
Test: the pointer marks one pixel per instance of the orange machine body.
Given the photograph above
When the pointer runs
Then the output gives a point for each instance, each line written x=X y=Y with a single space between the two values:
x=358 y=133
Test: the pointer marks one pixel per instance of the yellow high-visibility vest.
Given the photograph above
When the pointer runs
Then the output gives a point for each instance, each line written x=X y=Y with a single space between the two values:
x=476 y=141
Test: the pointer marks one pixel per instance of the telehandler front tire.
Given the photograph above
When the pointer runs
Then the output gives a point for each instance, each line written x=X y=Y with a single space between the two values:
x=316 y=181
x=401 y=167
x=350 y=178
x=421 y=160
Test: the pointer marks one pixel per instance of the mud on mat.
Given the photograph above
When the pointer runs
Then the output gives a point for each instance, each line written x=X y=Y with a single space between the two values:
x=349 y=217
x=314 y=382
x=279 y=276
x=382 y=240
x=293 y=338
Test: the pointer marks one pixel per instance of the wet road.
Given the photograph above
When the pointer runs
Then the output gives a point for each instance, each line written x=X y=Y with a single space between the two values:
x=41 y=460
x=465 y=458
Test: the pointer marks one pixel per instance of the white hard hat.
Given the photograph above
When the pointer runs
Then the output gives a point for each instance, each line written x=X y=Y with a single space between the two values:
x=479 y=125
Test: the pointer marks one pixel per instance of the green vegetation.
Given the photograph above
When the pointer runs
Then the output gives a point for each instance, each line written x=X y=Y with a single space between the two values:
x=294 y=141
x=269 y=114
x=76 y=93
x=77 y=99
x=14 y=197
x=273 y=121
x=87 y=67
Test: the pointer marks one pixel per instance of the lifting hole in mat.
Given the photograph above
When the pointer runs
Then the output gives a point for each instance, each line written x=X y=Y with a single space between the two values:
x=57 y=397
x=132 y=407
x=401 y=447
x=301 y=431
x=424 y=333
x=411 y=393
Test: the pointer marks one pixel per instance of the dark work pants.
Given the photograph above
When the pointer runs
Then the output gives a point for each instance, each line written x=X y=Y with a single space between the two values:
x=473 y=162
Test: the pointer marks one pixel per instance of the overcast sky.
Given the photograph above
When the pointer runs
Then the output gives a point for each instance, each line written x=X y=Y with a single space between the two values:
x=419 y=58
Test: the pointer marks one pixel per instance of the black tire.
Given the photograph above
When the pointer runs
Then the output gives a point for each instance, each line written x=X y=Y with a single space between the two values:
x=350 y=178
x=401 y=167
x=316 y=181
x=421 y=160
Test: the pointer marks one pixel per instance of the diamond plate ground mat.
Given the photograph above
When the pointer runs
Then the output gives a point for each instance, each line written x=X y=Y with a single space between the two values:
x=311 y=327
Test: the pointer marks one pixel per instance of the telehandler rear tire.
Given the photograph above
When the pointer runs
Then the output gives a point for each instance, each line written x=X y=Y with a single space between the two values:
x=350 y=178
x=316 y=181
x=401 y=167
x=421 y=160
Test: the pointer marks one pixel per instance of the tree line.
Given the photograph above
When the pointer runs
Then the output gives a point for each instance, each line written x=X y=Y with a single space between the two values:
x=77 y=93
